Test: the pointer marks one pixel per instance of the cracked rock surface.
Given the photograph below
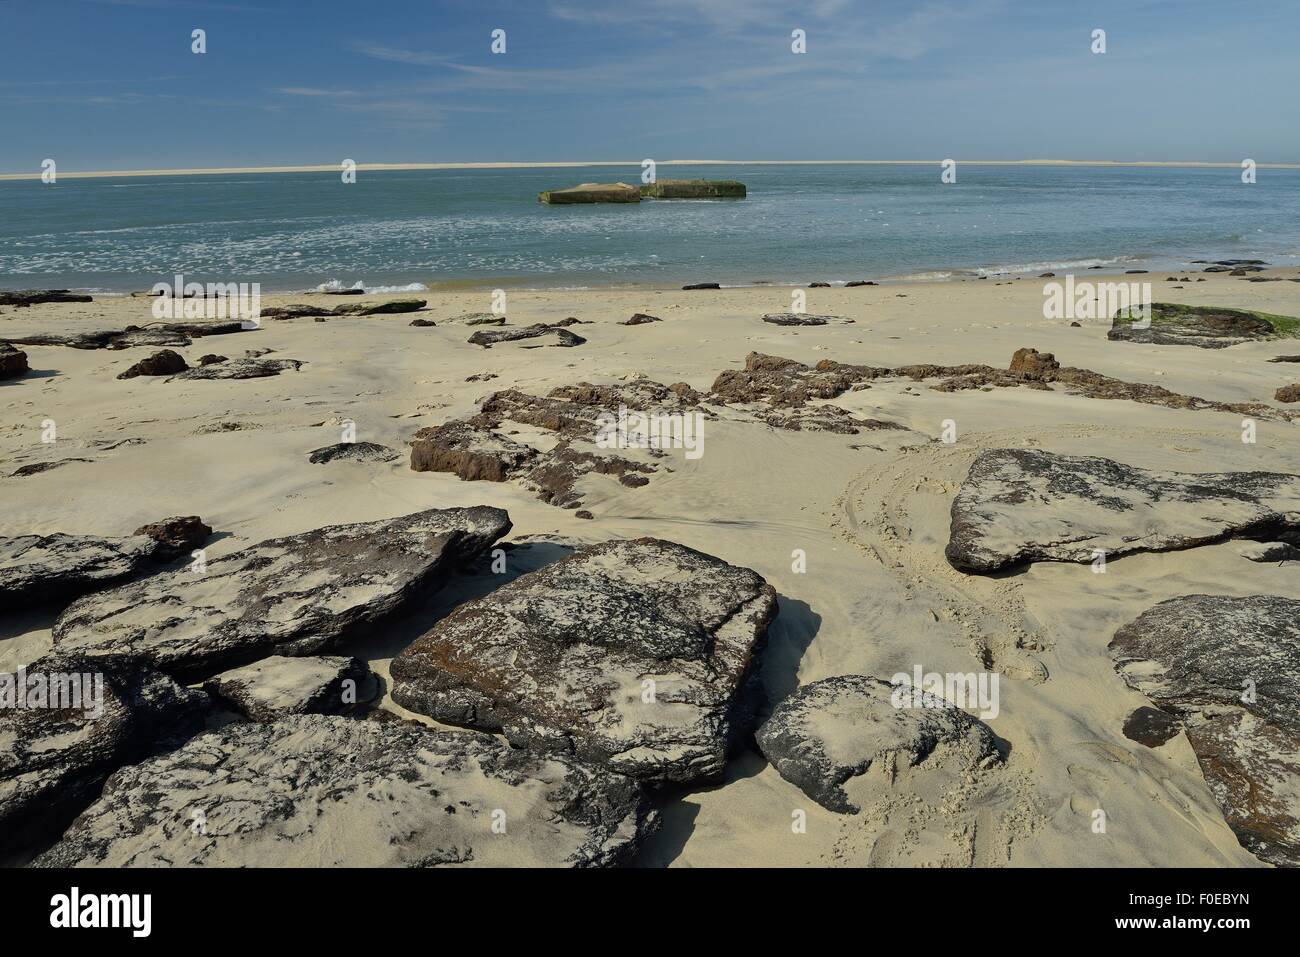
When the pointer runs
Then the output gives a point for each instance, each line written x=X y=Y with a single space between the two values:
x=297 y=595
x=54 y=759
x=1024 y=505
x=631 y=654
x=836 y=729
x=320 y=791
x=1229 y=669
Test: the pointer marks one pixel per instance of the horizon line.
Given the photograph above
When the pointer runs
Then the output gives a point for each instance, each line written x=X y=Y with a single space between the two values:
x=387 y=167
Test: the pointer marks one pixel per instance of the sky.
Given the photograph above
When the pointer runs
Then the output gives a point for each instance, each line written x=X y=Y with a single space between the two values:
x=114 y=84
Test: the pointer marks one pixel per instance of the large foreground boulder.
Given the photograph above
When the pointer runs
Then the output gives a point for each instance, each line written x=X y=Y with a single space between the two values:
x=278 y=686
x=298 y=595
x=66 y=723
x=631 y=654
x=40 y=568
x=835 y=729
x=1025 y=505
x=1229 y=669
x=317 y=791
x=13 y=361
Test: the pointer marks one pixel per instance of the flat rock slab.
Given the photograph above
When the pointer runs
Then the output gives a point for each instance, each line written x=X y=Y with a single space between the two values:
x=353 y=452
x=487 y=338
x=298 y=595
x=391 y=307
x=1022 y=505
x=835 y=729
x=278 y=686
x=157 y=334
x=1209 y=327
x=39 y=568
x=32 y=297
x=298 y=310
x=1229 y=669
x=250 y=368
x=317 y=791
x=801 y=319
x=630 y=654
x=53 y=760
x=479 y=319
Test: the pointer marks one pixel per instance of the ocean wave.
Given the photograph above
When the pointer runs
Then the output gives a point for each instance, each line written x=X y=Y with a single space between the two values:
x=336 y=285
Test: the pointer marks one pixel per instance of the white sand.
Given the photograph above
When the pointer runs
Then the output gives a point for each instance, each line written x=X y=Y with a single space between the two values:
x=877 y=596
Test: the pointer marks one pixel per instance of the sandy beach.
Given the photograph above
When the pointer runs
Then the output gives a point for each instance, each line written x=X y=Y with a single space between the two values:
x=869 y=511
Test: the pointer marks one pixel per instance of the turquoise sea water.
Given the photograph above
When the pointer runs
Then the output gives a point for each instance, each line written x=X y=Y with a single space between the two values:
x=799 y=224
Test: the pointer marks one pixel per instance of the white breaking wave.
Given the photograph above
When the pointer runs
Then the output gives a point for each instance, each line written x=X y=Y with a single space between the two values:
x=335 y=285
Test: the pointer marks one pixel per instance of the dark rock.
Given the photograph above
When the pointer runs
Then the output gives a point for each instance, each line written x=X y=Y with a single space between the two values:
x=1210 y=327
x=859 y=282
x=1288 y=393
x=36 y=468
x=1268 y=552
x=1033 y=362
x=473 y=453
x=176 y=536
x=41 y=568
x=250 y=368
x=164 y=362
x=1151 y=726
x=323 y=791
x=835 y=729
x=638 y=319
x=819 y=285
x=211 y=359
x=32 y=297
x=489 y=337
x=380 y=308
x=1229 y=668
x=1285 y=359
x=277 y=686
x=295 y=311
x=356 y=291
x=13 y=361
x=479 y=319
x=159 y=334
x=54 y=759
x=558 y=659
x=298 y=595
x=1047 y=275
x=1024 y=505
x=1134 y=272
x=800 y=319
x=354 y=452
x=583 y=514
x=423 y=323
x=702 y=285
x=1076 y=325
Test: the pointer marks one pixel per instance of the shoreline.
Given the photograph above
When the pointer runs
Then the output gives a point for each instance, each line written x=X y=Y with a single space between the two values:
x=1111 y=268
x=636 y=164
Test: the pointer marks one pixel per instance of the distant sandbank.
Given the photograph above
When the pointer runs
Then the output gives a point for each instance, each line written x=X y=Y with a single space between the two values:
x=381 y=167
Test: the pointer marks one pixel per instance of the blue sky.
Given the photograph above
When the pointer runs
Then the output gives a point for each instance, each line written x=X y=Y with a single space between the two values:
x=112 y=84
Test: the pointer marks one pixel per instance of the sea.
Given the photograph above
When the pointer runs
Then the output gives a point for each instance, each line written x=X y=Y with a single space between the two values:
x=412 y=230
